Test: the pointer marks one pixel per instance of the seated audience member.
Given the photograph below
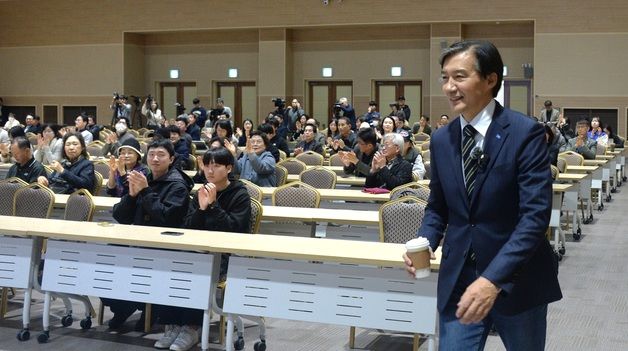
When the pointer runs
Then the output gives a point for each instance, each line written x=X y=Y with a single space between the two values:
x=182 y=123
x=243 y=134
x=444 y=120
x=565 y=128
x=93 y=127
x=581 y=143
x=596 y=132
x=388 y=168
x=613 y=138
x=400 y=124
x=224 y=129
x=160 y=199
x=412 y=155
x=269 y=130
x=5 y=147
x=199 y=177
x=424 y=126
x=345 y=140
x=81 y=127
x=129 y=159
x=299 y=128
x=5 y=141
x=308 y=143
x=371 y=112
x=49 y=144
x=358 y=161
x=281 y=129
x=26 y=167
x=386 y=127
x=192 y=128
x=255 y=164
x=75 y=171
x=276 y=139
x=220 y=205
x=11 y=122
x=181 y=149
x=320 y=136
x=114 y=140
x=32 y=124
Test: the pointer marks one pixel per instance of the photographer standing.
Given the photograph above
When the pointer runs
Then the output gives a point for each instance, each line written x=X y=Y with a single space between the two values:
x=293 y=114
x=219 y=112
x=202 y=116
x=154 y=118
x=120 y=107
x=346 y=110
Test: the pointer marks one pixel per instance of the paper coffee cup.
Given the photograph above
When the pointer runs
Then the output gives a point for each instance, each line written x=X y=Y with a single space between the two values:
x=418 y=250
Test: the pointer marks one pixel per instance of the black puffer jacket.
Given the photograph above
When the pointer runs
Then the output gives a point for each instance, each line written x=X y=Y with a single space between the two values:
x=76 y=175
x=163 y=204
x=230 y=213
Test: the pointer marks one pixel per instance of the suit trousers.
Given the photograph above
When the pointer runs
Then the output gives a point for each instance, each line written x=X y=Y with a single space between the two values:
x=523 y=331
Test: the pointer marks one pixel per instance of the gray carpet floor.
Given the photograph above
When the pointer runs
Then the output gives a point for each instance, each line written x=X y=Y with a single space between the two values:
x=593 y=315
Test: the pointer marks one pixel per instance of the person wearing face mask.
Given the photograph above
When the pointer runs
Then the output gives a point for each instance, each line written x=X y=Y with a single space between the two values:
x=11 y=122
x=115 y=140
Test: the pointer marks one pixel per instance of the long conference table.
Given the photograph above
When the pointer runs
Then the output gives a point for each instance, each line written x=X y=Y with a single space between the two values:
x=341 y=282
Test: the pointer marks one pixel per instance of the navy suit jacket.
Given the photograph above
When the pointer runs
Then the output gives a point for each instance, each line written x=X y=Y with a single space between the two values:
x=506 y=218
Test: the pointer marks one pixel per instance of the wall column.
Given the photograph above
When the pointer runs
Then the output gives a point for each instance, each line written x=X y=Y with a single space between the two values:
x=273 y=68
x=442 y=36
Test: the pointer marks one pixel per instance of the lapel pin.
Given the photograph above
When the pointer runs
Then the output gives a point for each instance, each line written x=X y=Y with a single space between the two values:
x=498 y=136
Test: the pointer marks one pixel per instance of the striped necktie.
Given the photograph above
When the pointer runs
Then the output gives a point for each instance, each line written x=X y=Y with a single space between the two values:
x=470 y=165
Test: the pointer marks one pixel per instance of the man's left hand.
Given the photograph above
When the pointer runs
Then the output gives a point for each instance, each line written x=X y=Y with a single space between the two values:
x=477 y=301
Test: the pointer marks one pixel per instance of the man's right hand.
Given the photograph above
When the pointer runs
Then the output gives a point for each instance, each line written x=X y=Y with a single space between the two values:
x=411 y=270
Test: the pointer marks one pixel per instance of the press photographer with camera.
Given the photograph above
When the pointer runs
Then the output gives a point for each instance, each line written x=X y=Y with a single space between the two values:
x=343 y=109
x=219 y=112
x=293 y=114
x=280 y=109
x=120 y=108
x=150 y=110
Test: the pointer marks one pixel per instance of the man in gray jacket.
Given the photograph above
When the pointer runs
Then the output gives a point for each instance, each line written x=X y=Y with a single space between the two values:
x=581 y=143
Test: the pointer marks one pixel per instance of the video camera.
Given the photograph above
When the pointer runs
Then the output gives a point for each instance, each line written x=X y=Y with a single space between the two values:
x=279 y=102
x=116 y=96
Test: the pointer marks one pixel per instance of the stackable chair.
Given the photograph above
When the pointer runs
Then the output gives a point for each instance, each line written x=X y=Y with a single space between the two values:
x=80 y=207
x=98 y=180
x=421 y=137
x=281 y=173
x=311 y=158
x=35 y=201
x=255 y=192
x=101 y=167
x=95 y=149
x=293 y=165
x=411 y=189
x=399 y=221
x=319 y=177
x=335 y=160
x=296 y=194
x=8 y=187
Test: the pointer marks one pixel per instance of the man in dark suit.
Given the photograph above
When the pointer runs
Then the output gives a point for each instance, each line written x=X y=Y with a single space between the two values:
x=491 y=191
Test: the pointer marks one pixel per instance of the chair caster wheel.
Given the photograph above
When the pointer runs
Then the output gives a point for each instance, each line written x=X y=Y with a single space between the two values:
x=67 y=321
x=562 y=250
x=86 y=323
x=43 y=337
x=576 y=236
x=239 y=344
x=613 y=191
x=23 y=335
x=260 y=346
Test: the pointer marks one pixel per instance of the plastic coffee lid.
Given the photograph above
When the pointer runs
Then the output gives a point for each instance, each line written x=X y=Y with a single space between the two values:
x=417 y=243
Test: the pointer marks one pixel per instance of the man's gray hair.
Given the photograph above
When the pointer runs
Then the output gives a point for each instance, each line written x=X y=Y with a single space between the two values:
x=396 y=138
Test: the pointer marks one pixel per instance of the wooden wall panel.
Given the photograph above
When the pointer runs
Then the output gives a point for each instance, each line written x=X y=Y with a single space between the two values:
x=53 y=22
